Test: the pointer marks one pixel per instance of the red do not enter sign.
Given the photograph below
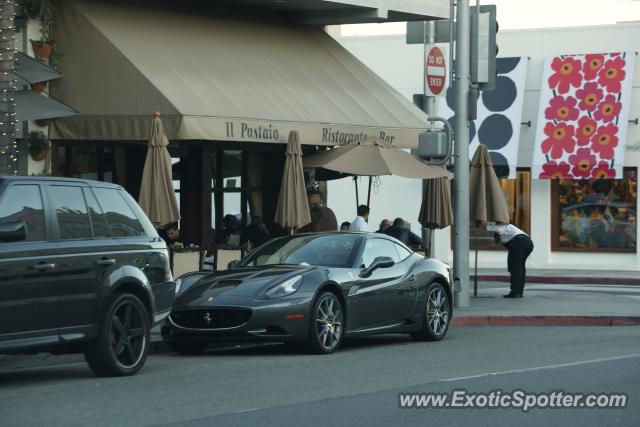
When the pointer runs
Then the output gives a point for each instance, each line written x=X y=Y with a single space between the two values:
x=436 y=70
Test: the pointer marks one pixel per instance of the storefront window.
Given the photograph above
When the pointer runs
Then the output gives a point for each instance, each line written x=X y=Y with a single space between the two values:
x=595 y=215
x=175 y=166
x=93 y=162
x=232 y=169
x=517 y=193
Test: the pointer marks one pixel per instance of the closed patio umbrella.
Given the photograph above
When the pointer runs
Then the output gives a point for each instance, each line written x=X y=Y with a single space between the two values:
x=157 y=197
x=436 y=210
x=293 y=209
x=486 y=199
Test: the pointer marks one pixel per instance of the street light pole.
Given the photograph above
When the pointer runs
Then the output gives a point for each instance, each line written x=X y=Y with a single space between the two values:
x=461 y=163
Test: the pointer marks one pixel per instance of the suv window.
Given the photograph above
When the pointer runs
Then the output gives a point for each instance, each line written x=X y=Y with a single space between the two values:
x=122 y=221
x=24 y=203
x=379 y=247
x=71 y=212
x=99 y=222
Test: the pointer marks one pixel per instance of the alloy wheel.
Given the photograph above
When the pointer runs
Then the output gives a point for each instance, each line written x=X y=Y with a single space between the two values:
x=127 y=334
x=329 y=322
x=438 y=311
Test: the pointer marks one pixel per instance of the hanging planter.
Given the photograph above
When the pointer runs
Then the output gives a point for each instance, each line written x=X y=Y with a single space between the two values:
x=42 y=49
x=38 y=87
x=38 y=145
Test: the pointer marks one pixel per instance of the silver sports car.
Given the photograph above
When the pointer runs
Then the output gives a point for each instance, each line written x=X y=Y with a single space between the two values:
x=314 y=290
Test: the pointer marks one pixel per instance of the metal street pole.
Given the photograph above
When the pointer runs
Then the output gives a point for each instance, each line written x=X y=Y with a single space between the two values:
x=429 y=107
x=461 y=165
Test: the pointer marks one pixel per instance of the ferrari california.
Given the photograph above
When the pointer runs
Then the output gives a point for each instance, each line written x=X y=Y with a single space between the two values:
x=313 y=290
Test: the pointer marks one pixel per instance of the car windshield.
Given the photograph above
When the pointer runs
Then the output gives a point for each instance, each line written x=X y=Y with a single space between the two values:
x=333 y=250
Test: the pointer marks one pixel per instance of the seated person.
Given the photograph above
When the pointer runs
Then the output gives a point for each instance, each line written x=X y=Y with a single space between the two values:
x=322 y=217
x=255 y=234
x=400 y=232
x=171 y=235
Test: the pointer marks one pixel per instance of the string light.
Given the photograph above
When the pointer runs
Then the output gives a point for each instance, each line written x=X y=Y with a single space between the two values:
x=9 y=152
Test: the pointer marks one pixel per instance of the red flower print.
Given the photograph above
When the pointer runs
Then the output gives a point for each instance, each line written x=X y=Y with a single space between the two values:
x=567 y=73
x=560 y=138
x=582 y=162
x=592 y=64
x=605 y=141
x=608 y=109
x=603 y=171
x=562 y=109
x=589 y=96
x=612 y=74
x=554 y=170
x=586 y=128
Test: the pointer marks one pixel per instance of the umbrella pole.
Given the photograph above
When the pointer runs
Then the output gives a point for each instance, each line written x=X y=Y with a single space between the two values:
x=355 y=181
x=369 y=192
x=475 y=276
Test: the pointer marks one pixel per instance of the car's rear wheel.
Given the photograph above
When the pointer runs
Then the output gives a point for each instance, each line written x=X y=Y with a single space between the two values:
x=327 y=324
x=122 y=346
x=187 y=347
x=436 y=316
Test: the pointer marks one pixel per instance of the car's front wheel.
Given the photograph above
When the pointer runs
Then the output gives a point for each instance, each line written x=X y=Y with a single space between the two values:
x=436 y=316
x=123 y=343
x=327 y=324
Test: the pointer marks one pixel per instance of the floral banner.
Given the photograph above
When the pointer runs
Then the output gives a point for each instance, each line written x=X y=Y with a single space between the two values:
x=583 y=117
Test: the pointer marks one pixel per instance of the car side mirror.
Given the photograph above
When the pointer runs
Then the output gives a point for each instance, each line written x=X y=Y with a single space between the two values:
x=233 y=264
x=378 y=262
x=13 y=231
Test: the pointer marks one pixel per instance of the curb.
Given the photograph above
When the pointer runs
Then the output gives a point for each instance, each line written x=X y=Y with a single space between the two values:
x=563 y=280
x=544 y=321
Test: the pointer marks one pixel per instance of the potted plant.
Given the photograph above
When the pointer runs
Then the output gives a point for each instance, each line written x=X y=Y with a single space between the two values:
x=43 y=48
x=38 y=87
x=38 y=145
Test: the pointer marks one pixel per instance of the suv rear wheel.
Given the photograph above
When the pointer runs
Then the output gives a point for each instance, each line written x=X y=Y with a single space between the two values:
x=123 y=343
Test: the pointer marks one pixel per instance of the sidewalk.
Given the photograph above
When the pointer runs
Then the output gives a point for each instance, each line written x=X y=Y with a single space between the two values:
x=599 y=277
x=555 y=303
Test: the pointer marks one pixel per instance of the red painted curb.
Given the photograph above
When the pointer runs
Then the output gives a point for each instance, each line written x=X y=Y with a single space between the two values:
x=559 y=280
x=544 y=321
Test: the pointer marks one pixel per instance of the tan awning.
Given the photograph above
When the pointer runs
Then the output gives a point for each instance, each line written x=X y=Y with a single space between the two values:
x=215 y=78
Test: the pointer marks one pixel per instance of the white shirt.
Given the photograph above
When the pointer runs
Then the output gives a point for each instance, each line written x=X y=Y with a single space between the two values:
x=505 y=231
x=358 y=224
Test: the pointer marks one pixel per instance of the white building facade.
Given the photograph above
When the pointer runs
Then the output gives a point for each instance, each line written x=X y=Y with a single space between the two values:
x=401 y=66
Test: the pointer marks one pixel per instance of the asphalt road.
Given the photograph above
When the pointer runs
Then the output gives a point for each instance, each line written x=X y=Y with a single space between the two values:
x=359 y=385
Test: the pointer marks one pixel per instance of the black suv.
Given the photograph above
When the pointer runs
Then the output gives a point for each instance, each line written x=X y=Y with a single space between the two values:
x=81 y=270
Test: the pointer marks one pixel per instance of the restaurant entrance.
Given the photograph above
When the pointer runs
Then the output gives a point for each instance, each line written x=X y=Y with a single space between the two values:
x=222 y=186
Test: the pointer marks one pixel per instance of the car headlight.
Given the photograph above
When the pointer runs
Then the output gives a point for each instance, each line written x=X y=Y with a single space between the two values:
x=285 y=288
x=178 y=285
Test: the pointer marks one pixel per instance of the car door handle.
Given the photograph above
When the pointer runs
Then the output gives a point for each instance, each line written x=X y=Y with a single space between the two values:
x=412 y=278
x=105 y=262
x=44 y=267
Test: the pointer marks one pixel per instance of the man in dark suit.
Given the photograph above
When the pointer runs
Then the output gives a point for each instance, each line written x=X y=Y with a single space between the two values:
x=400 y=232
